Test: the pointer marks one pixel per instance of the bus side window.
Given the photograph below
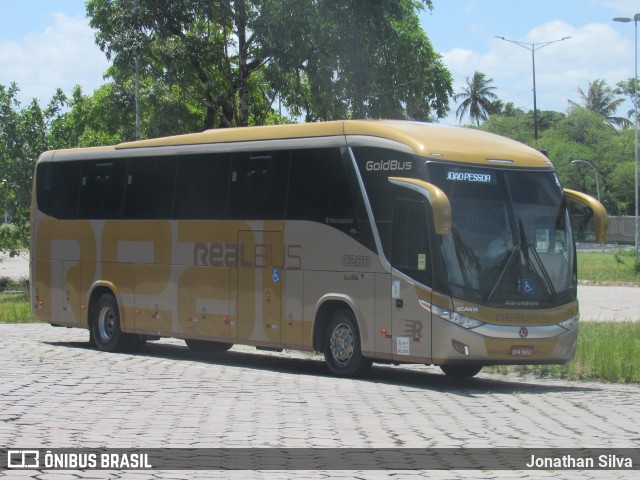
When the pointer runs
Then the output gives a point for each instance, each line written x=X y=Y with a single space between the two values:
x=319 y=190
x=202 y=186
x=102 y=189
x=410 y=252
x=149 y=193
x=57 y=187
x=259 y=185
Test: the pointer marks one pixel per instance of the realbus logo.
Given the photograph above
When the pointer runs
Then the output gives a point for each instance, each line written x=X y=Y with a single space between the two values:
x=387 y=165
x=238 y=255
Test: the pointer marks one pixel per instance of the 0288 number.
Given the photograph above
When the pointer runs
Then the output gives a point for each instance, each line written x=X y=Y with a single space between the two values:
x=356 y=261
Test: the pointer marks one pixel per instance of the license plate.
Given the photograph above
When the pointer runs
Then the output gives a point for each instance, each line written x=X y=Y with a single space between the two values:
x=521 y=350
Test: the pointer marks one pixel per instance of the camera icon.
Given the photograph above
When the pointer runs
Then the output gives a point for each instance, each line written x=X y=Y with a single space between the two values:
x=23 y=458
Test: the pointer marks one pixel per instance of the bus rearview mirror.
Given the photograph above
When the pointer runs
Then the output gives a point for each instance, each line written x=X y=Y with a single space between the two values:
x=436 y=197
x=600 y=220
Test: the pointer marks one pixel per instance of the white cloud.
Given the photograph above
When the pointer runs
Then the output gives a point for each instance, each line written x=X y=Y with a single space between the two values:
x=627 y=8
x=594 y=51
x=61 y=56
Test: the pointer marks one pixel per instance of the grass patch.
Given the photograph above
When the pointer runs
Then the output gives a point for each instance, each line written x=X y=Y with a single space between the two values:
x=607 y=352
x=608 y=268
x=15 y=306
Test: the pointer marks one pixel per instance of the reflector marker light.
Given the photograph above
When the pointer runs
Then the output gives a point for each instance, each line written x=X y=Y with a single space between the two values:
x=499 y=161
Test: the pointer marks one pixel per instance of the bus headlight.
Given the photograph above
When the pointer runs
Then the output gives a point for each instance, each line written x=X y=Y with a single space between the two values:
x=570 y=322
x=458 y=319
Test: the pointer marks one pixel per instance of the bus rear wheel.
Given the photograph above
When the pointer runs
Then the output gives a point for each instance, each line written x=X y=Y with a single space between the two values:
x=460 y=371
x=342 y=348
x=105 y=325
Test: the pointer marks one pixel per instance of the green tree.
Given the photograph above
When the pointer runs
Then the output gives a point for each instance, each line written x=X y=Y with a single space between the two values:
x=477 y=98
x=23 y=137
x=622 y=185
x=603 y=100
x=331 y=59
x=513 y=123
x=631 y=89
x=91 y=120
x=581 y=135
x=209 y=49
x=578 y=135
x=324 y=58
x=107 y=116
x=517 y=124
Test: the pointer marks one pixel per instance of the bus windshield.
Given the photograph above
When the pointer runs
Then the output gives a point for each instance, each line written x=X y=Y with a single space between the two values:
x=511 y=242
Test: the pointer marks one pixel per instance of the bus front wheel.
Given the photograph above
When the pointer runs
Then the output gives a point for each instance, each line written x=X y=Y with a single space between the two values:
x=460 y=371
x=342 y=348
x=105 y=325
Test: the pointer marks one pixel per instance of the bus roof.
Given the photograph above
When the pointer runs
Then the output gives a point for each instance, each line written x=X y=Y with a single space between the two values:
x=433 y=141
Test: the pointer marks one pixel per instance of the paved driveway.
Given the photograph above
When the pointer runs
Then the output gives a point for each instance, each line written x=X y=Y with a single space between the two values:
x=609 y=304
x=57 y=391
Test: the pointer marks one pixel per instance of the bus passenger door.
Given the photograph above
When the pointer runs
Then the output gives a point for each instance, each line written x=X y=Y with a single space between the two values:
x=260 y=272
x=410 y=257
x=411 y=322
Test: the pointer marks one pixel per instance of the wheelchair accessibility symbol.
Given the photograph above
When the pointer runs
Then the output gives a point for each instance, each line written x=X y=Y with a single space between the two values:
x=529 y=287
x=276 y=275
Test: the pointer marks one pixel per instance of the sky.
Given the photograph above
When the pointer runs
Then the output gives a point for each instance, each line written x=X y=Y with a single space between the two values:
x=45 y=44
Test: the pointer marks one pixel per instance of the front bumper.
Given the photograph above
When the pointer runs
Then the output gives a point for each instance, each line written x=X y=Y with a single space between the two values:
x=501 y=345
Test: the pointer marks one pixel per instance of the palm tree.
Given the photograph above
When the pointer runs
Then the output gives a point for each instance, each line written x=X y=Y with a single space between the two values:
x=601 y=99
x=630 y=88
x=477 y=98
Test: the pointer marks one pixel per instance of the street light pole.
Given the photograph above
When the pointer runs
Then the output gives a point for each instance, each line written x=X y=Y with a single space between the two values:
x=596 y=172
x=533 y=47
x=137 y=79
x=635 y=20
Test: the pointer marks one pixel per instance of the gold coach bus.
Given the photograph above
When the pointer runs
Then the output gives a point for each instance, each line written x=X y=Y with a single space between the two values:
x=383 y=241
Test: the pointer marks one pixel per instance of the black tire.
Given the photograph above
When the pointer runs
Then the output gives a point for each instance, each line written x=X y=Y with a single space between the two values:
x=460 y=371
x=105 y=325
x=205 y=346
x=342 y=347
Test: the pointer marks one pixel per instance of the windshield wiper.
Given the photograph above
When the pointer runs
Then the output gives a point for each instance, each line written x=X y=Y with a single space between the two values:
x=527 y=247
x=514 y=252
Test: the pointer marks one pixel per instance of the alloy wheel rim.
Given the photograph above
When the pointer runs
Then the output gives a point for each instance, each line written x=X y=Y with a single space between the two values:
x=342 y=343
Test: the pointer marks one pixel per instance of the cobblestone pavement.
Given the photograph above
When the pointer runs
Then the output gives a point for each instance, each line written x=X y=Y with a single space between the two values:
x=57 y=391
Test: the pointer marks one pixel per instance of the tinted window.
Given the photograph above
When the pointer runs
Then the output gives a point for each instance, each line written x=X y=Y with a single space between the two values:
x=376 y=166
x=102 y=189
x=319 y=190
x=57 y=188
x=202 y=186
x=410 y=252
x=149 y=187
x=259 y=185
